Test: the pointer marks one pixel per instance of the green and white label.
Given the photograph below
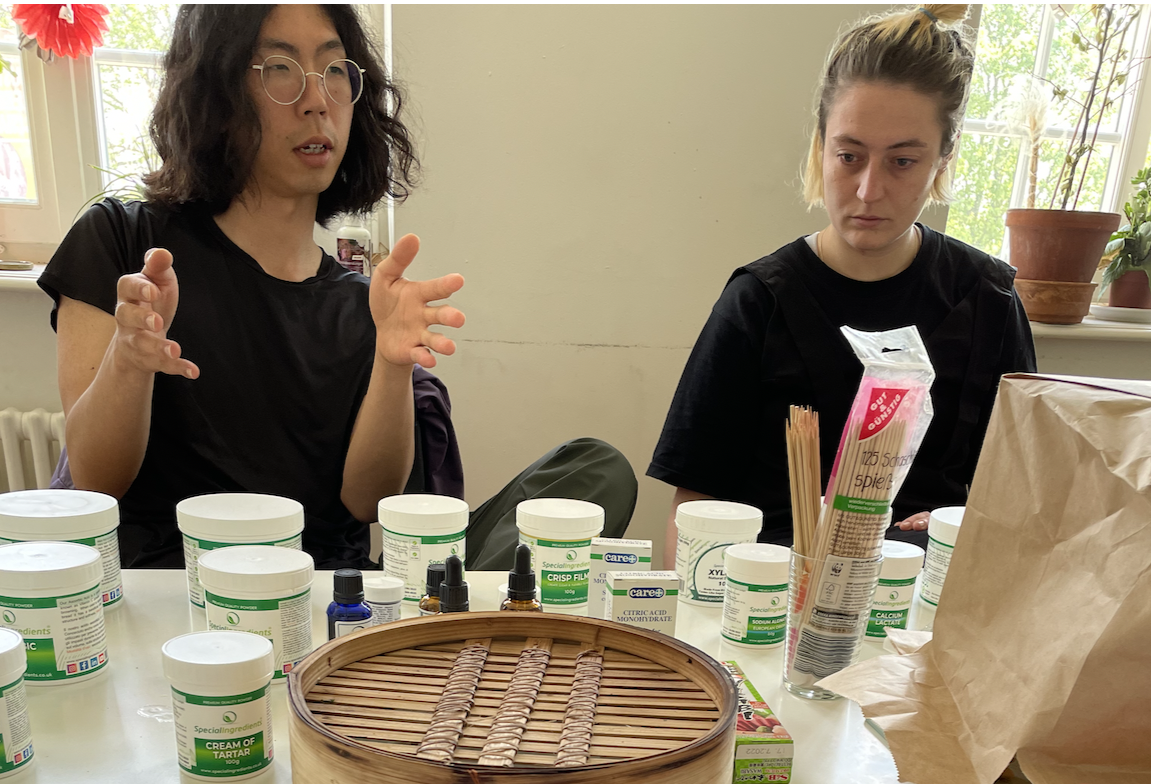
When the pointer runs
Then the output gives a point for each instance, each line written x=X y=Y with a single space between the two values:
x=700 y=567
x=193 y=548
x=287 y=622
x=754 y=614
x=223 y=737
x=407 y=556
x=111 y=587
x=936 y=562
x=890 y=606
x=563 y=568
x=15 y=731
x=63 y=636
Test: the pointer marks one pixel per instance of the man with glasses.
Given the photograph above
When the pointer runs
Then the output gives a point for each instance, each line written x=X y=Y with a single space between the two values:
x=280 y=372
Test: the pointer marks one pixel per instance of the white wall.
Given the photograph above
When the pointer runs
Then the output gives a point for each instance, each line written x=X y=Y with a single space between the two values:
x=596 y=173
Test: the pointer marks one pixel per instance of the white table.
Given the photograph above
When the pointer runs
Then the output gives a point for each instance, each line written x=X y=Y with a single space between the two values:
x=117 y=727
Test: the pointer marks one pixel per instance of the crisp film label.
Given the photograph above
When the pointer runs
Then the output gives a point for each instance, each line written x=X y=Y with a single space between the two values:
x=407 y=556
x=222 y=737
x=563 y=568
x=63 y=636
x=286 y=622
x=193 y=548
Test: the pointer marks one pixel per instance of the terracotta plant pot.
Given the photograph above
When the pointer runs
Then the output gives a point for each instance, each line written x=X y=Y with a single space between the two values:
x=1060 y=245
x=1055 y=302
x=1130 y=290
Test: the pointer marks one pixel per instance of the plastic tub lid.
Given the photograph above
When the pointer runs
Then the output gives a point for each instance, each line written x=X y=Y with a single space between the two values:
x=78 y=512
x=573 y=519
x=217 y=514
x=944 y=523
x=13 y=657
x=902 y=560
x=259 y=568
x=383 y=590
x=757 y=564
x=45 y=566
x=209 y=660
x=422 y=513
x=710 y=516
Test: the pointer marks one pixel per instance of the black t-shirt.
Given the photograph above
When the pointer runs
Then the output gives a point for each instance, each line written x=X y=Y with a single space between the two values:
x=283 y=365
x=773 y=340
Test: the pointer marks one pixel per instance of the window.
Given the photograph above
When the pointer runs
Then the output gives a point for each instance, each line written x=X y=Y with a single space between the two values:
x=1021 y=52
x=127 y=70
x=17 y=170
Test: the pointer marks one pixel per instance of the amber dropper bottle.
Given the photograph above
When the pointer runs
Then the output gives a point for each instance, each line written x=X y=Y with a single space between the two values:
x=454 y=590
x=430 y=601
x=522 y=584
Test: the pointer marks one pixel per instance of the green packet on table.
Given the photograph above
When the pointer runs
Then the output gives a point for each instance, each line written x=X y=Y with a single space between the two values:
x=763 y=746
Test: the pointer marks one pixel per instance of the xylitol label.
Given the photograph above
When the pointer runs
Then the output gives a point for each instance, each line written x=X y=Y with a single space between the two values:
x=563 y=569
x=222 y=737
x=754 y=614
x=287 y=622
x=936 y=562
x=407 y=556
x=111 y=588
x=63 y=636
x=700 y=567
x=890 y=606
x=193 y=548
x=15 y=731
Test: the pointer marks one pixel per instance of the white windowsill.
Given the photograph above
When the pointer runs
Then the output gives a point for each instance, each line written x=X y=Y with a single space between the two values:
x=1094 y=329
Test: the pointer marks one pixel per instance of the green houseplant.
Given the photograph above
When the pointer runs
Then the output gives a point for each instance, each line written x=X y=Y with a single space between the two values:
x=1056 y=250
x=1127 y=261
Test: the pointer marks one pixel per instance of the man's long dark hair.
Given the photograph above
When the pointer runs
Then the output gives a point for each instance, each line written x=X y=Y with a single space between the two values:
x=207 y=130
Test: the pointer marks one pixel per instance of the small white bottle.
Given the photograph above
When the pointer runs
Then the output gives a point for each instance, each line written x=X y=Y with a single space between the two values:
x=354 y=245
x=383 y=596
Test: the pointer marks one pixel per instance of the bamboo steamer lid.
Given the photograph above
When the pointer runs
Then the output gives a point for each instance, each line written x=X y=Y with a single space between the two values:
x=607 y=701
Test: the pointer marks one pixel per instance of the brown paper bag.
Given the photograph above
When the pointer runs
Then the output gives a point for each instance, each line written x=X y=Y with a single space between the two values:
x=1040 y=646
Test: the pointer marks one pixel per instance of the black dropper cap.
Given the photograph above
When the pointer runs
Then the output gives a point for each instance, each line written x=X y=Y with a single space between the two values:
x=453 y=591
x=433 y=579
x=348 y=586
x=522 y=580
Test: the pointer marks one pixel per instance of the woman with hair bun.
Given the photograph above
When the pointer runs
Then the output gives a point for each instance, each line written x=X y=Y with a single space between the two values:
x=888 y=118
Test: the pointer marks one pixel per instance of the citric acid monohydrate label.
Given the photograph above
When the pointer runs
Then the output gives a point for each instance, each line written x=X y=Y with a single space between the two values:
x=287 y=622
x=222 y=737
x=563 y=568
x=63 y=636
x=15 y=732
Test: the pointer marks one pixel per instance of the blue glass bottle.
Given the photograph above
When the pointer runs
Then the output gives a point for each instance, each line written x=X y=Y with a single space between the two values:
x=347 y=613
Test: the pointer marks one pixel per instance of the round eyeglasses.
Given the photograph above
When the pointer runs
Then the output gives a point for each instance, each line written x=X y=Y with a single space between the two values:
x=285 y=80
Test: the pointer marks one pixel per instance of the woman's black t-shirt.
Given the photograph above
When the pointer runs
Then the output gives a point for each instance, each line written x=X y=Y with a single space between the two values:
x=773 y=340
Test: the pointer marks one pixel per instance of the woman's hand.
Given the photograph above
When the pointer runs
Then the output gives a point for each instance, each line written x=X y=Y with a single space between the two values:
x=401 y=310
x=145 y=306
x=916 y=522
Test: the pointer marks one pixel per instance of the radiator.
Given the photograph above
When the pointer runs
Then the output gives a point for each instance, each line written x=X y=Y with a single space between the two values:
x=32 y=441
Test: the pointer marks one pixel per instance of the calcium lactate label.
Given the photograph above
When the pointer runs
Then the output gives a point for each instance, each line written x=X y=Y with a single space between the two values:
x=15 y=731
x=193 y=548
x=286 y=622
x=754 y=614
x=63 y=636
x=111 y=588
x=407 y=557
x=890 y=606
x=220 y=737
x=563 y=569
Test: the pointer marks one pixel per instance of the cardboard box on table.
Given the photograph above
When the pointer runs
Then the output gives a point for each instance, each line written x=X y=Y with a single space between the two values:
x=1040 y=647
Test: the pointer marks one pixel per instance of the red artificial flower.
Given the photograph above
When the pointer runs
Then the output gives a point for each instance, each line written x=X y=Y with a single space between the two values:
x=66 y=29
